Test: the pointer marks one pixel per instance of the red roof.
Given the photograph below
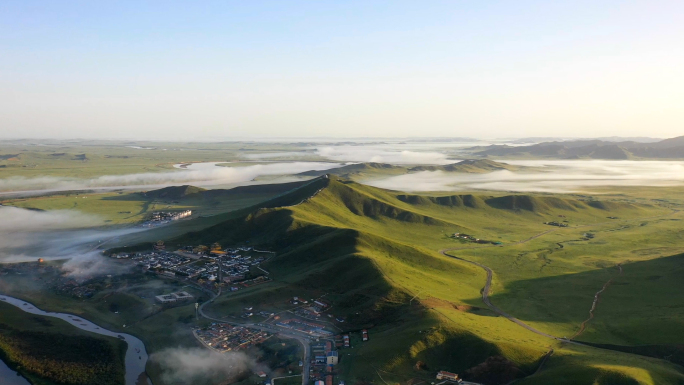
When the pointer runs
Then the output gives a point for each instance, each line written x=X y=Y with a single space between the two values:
x=448 y=374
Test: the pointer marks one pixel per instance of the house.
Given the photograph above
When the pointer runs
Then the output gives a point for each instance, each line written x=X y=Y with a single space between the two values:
x=444 y=375
x=182 y=295
x=319 y=382
x=332 y=358
x=321 y=304
x=174 y=297
x=329 y=379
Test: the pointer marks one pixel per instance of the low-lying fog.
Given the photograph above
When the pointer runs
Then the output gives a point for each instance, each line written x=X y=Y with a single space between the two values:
x=548 y=176
x=26 y=235
x=205 y=176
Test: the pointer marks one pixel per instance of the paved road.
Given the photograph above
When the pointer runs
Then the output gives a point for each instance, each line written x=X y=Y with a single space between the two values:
x=301 y=337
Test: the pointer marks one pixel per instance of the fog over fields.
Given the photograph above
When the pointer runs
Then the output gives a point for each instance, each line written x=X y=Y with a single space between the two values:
x=555 y=176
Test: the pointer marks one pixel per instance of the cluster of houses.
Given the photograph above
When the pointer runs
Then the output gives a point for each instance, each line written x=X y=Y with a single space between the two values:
x=170 y=215
x=310 y=328
x=164 y=217
x=323 y=365
x=154 y=260
x=312 y=310
x=558 y=224
x=224 y=337
x=471 y=238
x=207 y=265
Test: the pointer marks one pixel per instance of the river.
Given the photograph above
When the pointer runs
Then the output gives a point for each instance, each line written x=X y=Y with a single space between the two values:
x=136 y=355
x=10 y=377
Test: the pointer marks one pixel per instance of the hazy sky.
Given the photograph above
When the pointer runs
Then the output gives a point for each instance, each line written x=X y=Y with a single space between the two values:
x=144 y=69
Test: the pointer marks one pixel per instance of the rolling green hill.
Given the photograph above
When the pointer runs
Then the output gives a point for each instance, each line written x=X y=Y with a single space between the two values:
x=374 y=254
x=469 y=166
x=361 y=171
x=672 y=148
x=173 y=192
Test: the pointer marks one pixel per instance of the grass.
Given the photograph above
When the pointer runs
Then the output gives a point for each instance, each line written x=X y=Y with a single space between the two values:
x=373 y=251
x=141 y=316
x=12 y=318
x=374 y=254
x=90 y=159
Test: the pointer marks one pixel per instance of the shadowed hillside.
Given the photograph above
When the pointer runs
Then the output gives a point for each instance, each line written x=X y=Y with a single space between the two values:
x=373 y=253
x=173 y=192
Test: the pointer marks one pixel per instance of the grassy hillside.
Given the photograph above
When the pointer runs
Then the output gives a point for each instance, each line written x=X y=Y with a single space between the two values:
x=362 y=171
x=373 y=253
x=476 y=166
x=50 y=351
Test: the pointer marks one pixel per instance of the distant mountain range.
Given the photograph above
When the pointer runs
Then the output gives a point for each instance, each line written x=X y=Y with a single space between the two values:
x=590 y=149
x=357 y=170
x=537 y=139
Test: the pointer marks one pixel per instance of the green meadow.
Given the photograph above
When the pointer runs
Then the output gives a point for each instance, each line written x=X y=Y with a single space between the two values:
x=375 y=254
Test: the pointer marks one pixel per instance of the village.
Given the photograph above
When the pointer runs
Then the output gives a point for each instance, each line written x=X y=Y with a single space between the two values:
x=165 y=217
x=223 y=337
x=213 y=268
x=209 y=267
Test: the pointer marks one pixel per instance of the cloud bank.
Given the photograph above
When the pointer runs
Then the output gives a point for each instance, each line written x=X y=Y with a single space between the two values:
x=193 y=366
x=552 y=176
x=381 y=154
x=26 y=235
x=198 y=173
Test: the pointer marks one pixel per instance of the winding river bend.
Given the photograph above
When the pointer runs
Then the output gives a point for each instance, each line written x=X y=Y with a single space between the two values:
x=136 y=355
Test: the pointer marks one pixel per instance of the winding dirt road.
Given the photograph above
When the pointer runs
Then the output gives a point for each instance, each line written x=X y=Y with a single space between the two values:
x=488 y=284
x=496 y=309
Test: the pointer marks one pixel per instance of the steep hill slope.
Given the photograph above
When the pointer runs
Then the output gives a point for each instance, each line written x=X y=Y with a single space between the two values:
x=373 y=253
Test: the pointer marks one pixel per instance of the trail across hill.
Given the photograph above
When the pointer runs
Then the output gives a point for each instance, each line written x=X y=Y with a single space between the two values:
x=490 y=273
x=583 y=326
x=496 y=309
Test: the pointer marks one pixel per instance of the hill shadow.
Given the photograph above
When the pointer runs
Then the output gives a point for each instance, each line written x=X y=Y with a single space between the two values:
x=643 y=303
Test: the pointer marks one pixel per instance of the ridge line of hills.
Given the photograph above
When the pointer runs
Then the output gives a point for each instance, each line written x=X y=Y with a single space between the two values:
x=672 y=148
x=372 y=250
x=464 y=166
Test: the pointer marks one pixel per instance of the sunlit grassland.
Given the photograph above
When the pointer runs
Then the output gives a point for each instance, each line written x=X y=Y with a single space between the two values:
x=552 y=288
x=90 y=159
x=390 y=246
x=375 y=255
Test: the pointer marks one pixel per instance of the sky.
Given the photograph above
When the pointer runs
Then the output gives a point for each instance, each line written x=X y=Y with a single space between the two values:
x=247 y=69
